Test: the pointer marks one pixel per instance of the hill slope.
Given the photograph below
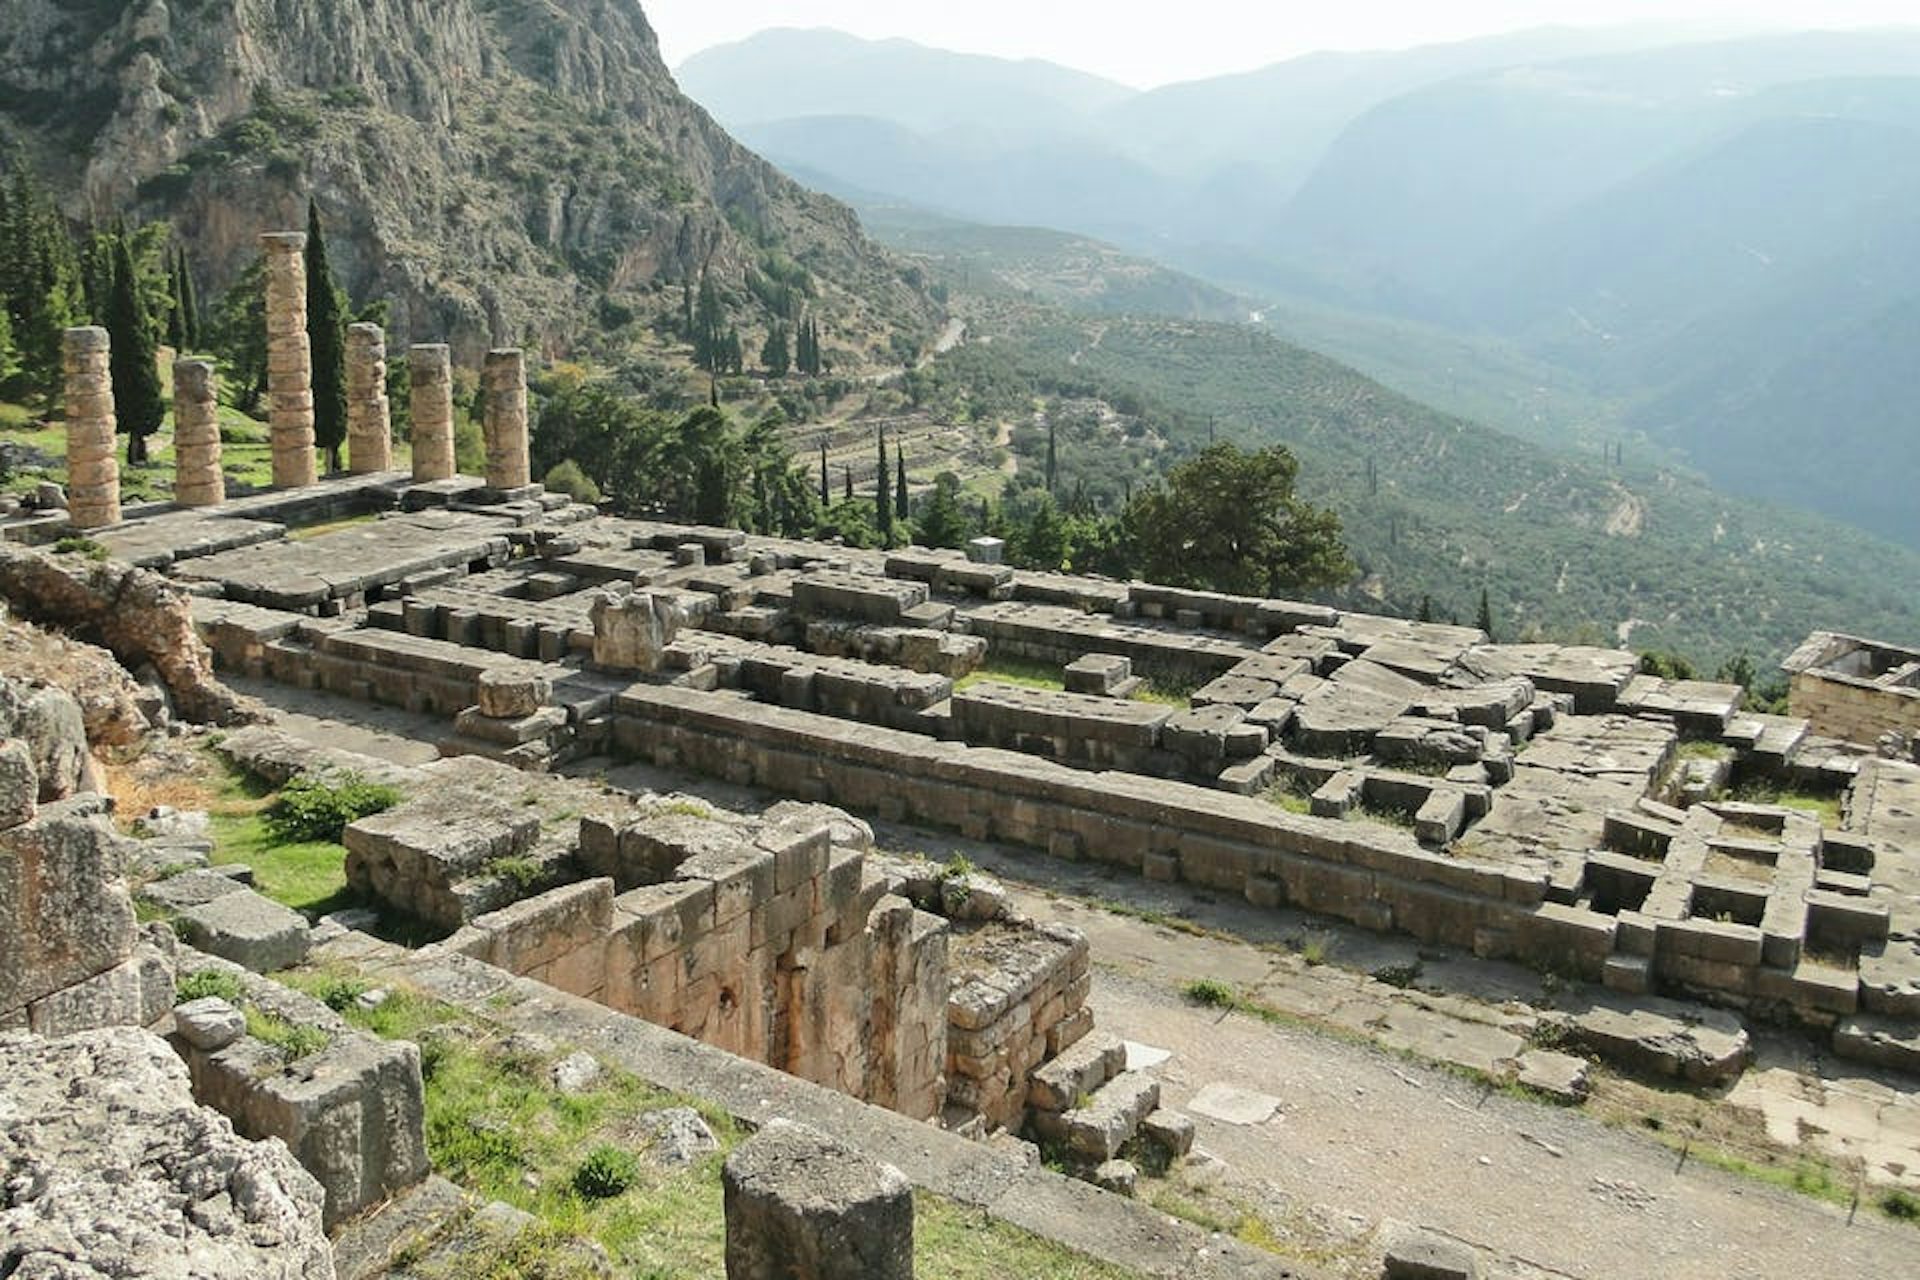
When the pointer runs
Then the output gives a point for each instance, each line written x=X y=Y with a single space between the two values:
x=496 y=168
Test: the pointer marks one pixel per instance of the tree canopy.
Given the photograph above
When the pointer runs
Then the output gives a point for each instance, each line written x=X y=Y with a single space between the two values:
x=1228 y=520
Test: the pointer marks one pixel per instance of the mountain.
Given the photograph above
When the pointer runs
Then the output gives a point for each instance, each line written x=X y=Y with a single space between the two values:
x=499 y=170
x=1072 y=272
x=788 y=74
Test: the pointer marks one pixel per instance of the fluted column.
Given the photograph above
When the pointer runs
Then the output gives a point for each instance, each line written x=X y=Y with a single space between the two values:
x=369 y=424
x=289 y=360
x=505 y=420
x=197 y=480
x=430 y=404
x=93 y=472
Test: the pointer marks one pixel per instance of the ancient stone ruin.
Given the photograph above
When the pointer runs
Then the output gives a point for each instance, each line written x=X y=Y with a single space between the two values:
x=1540 y=803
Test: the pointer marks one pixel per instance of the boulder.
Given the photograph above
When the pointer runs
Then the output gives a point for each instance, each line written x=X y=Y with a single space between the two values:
x=1416 y=1254
x=117 y=1174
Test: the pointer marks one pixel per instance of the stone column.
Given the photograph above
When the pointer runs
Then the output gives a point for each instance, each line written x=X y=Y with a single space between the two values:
x=430 y=401
x=93 y=473
x=504 y=382
x=197 y=481
x=369 y=424
x=803 y=1206
x=289 y=360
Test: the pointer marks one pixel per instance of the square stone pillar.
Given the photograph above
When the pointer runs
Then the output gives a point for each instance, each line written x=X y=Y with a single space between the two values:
x=93 y=473
x=197 y=479
x=289 y=360
x=803 y=1206
x=504 y=420
x=430 y=403
x=369 y=419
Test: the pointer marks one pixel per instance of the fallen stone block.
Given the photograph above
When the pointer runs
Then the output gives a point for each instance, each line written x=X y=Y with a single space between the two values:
x=803 y=1206
x=254 y=932
x=1079 y=1069
x=1662 y=1037
x=1097 y=1131
x=1417 y=1254
x=1117 y=1176
x=209 y=1023
x=1169 y=1130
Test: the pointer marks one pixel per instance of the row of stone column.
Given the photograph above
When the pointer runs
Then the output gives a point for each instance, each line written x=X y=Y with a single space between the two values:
x=93 y=499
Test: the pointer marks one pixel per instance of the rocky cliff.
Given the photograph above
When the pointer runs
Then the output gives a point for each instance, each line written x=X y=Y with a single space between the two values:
x=501 y=170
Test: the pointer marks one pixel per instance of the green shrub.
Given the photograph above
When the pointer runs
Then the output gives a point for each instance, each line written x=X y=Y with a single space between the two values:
x=1901 y=1204
x=73 y=545
x=1211 y=992
x=313 y=808
x=568 y=478
x=521 y=871
x=206 y=982
x=606 y=1172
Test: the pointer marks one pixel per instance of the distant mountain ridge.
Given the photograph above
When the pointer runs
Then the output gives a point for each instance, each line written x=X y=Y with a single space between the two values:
x=1701 y=247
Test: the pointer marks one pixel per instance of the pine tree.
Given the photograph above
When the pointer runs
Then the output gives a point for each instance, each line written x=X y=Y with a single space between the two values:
x=327 y=339
x=942 y=522
x=9 y=357
x=137 y=399
x=1485 y=620
x=901 y=506
x=882 y=497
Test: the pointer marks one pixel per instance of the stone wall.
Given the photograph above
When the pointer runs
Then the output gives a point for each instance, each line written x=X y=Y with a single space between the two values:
x=1854 y=710
x=769 y=942
x=1375 y=876
x=1019 y=997
x=72 y=957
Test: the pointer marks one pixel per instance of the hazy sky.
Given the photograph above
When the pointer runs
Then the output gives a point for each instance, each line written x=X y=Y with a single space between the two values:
x=1150 y=44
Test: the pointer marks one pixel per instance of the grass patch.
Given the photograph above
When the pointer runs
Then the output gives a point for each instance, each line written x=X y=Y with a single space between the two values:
x=1824 y=805
x=207 y=983
x=309 y=532
x=1024 y=672
x=1159 y=919
x=1169 y=693
x=1901 y=1205
x=294 y=1042
x=1289 y=796
x=1700 y=750
x=1211 y=992
x=496 y=1126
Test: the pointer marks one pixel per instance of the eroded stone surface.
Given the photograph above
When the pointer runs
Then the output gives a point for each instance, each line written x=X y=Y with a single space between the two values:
x=114 y=1172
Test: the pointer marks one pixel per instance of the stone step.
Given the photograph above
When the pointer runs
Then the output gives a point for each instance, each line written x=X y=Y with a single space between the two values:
x=1079 y=1069
x=1096 y=1132
x=366 y=1247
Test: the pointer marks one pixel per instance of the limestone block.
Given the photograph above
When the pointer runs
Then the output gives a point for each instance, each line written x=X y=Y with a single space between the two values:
x=65 y=915
x=1097 y=1131
x=132 y=994
x=192 y=888
x=1416 y=1254
x=254 y=932
x=507 y=694
x=19 y=784
x=803 y=1206
x=49 y=722
x=209 y=1023
x=130 y=1178
x=632 y=632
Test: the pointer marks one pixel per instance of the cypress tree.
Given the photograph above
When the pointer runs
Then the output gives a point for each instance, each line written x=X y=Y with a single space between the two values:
x=1052 y=456
x=826 y=498
x=327 y=337
x=1426 y=609
x=882 y=498
x=900 y=500
x=1485 y=620
x=137 y=400
x=189 y=302
x=176 y=312
x=846 y=483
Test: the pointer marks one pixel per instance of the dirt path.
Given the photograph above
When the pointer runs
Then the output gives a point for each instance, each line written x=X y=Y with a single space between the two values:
x=1545 y=1190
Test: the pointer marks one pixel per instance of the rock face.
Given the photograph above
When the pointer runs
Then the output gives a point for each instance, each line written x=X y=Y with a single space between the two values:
x=48 y=722
x=112 y=1171
x=463 y=150
x=136 y=613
